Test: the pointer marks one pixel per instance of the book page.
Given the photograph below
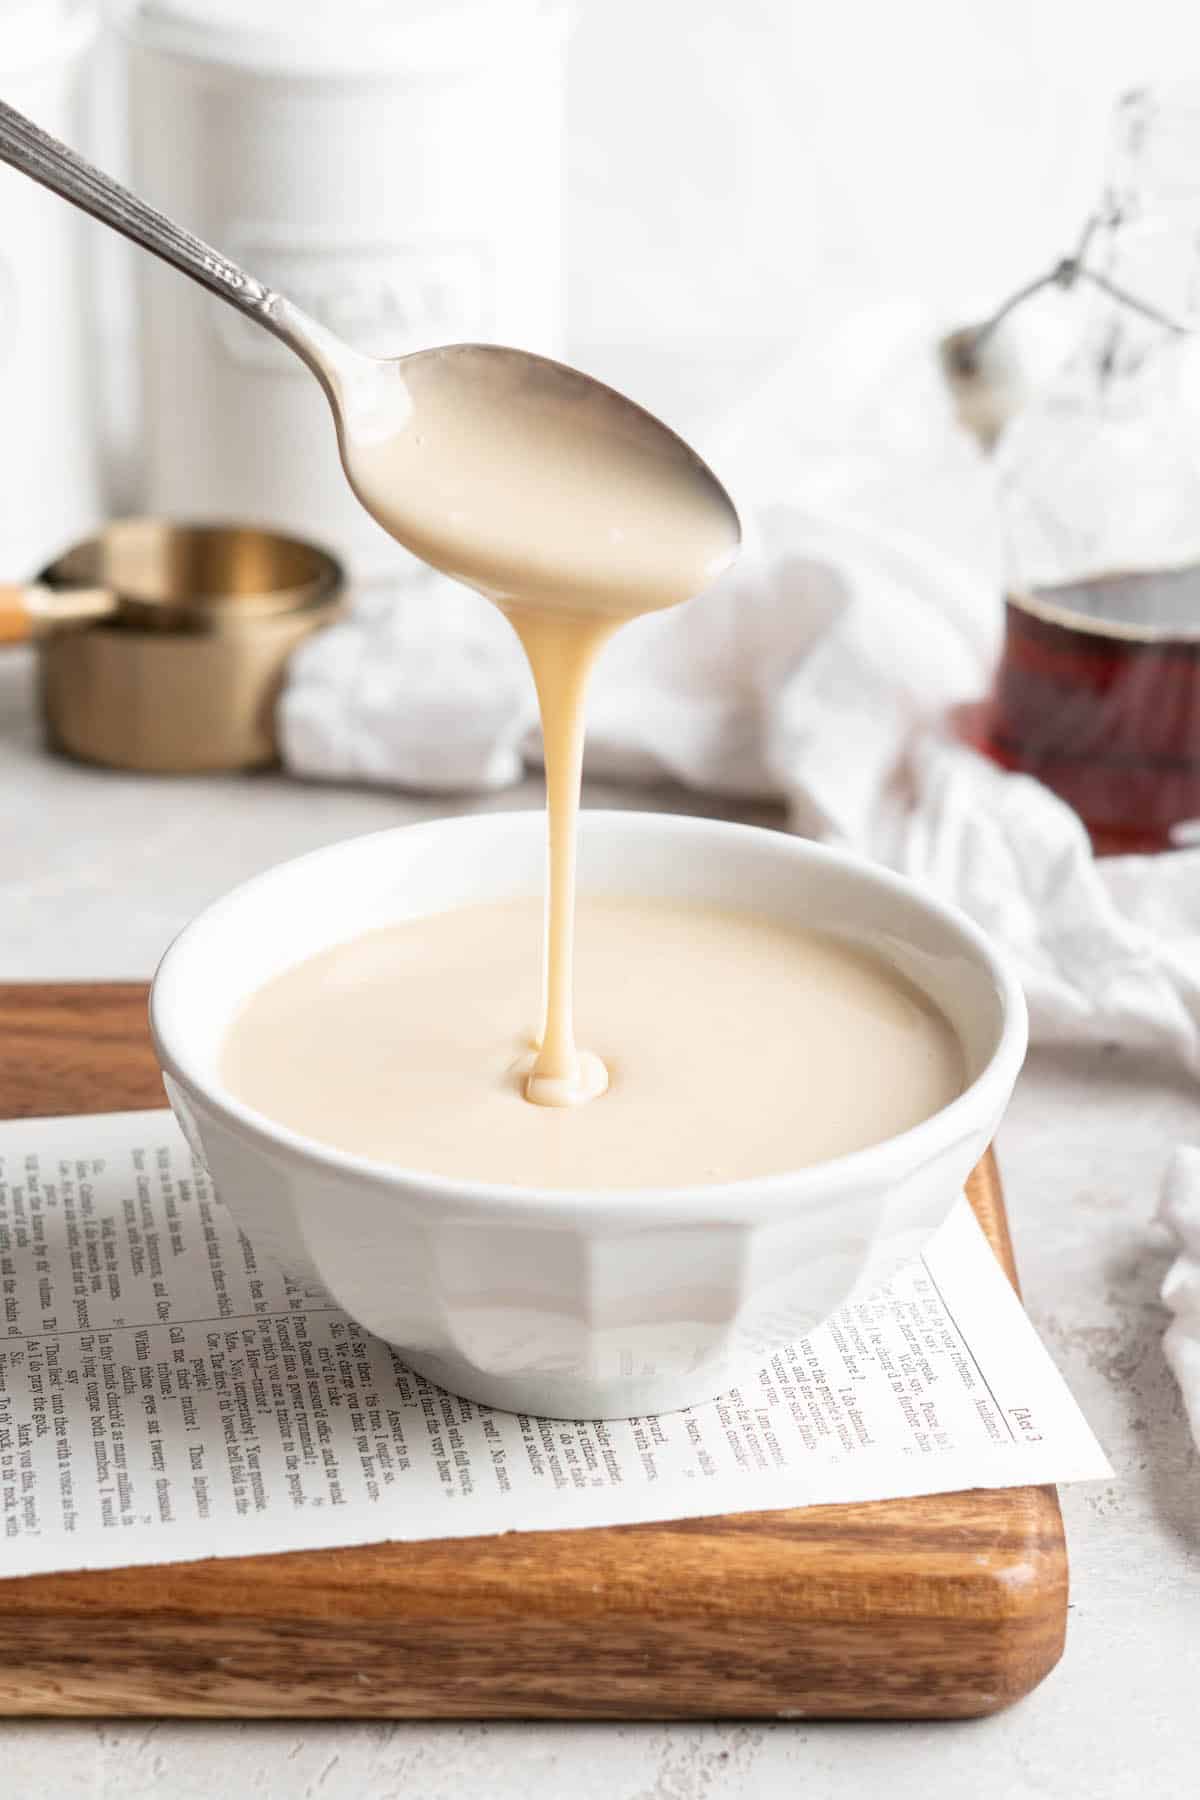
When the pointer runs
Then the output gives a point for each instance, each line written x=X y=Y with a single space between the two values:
x=165 y=1396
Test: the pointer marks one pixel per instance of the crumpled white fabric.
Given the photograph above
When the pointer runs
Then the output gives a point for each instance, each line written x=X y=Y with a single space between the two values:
x=865 y=605
x=1109 y=951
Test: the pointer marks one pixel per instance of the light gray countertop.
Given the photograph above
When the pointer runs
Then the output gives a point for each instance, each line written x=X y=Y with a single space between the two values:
x=97 y=871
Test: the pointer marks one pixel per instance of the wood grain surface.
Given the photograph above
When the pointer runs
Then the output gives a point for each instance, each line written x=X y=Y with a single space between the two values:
x=938 y=1607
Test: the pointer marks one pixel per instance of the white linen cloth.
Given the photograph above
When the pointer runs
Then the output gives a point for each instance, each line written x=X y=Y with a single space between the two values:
x=865 y=604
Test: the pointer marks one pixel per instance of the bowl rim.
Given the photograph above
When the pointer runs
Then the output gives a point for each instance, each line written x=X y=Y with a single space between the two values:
x=980 y=1103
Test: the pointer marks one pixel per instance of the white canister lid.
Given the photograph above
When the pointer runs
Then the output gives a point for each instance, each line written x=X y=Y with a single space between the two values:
x=332 y=37
x=38 y=31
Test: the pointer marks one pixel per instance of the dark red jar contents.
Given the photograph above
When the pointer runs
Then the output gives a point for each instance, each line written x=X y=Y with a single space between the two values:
x=1098 y=695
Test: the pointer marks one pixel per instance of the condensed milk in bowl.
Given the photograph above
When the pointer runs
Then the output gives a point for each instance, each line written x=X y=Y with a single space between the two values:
x=657 y=1274
x=752 y=1073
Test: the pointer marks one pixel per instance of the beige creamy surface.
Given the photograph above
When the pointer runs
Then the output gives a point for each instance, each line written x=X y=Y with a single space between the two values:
x=734 y=1047
x=575 y=512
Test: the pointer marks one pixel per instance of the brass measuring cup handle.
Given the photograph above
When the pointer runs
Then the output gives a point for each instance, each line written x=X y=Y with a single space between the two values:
x=15 y=622
x=28 y=608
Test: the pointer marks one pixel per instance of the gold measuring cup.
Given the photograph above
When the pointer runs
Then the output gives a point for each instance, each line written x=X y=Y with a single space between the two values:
x=162 y=647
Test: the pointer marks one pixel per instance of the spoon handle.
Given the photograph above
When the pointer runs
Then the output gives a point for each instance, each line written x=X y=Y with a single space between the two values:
x=35 y=153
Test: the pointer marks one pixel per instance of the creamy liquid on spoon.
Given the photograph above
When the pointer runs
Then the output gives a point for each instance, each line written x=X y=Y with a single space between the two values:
x=549 y=494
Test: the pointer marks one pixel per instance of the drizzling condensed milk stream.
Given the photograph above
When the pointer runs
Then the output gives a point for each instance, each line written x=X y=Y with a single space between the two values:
x=726 y=1046
x=546 y=493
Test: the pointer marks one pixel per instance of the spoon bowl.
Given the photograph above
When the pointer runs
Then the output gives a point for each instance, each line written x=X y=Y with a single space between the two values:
x=523 y=477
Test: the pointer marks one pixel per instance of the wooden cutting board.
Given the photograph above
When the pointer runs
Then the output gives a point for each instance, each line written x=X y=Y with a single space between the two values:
x=940 y=1607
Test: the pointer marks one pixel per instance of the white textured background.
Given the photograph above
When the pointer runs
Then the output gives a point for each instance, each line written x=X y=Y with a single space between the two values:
x=742 y=172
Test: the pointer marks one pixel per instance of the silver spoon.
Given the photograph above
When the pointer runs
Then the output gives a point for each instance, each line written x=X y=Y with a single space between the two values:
x=373 y=401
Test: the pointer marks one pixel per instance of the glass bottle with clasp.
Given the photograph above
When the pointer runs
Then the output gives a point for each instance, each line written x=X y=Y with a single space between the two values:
x=1098 y=688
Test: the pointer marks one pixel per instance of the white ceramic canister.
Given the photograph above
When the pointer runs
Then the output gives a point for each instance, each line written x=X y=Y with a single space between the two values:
x=48 y=465
x=393 y=166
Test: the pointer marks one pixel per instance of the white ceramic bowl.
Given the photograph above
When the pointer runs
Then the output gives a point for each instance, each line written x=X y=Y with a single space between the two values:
x=587 y=1304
